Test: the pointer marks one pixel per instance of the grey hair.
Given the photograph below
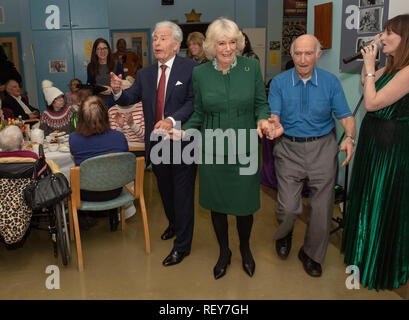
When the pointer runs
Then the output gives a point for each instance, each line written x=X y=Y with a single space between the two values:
x=318 y=46
x=219 y=28
x=10 y=138
x=7 y=84
x=177 y=32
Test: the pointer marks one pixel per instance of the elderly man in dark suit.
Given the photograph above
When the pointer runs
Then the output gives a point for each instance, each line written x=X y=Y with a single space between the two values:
x=15 y=102
x=166 y=91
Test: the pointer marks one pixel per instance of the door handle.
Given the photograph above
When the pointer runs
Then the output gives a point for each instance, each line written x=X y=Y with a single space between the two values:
x=32 y=54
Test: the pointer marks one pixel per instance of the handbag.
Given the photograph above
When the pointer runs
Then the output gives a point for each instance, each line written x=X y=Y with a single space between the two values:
x=48 y=190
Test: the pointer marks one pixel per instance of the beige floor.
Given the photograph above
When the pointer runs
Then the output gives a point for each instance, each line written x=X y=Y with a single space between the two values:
x=116 y=266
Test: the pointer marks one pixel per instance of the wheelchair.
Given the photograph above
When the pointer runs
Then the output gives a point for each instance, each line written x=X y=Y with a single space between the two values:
x=53 y=218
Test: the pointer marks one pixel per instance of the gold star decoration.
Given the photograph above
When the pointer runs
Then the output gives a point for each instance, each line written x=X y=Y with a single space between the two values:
x=193 y=16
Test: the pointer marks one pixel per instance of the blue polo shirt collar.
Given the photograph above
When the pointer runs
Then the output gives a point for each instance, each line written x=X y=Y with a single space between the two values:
x=296 y=80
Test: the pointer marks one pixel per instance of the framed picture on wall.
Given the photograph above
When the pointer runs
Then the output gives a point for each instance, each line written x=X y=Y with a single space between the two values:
x=137 y=41
x=10 y=45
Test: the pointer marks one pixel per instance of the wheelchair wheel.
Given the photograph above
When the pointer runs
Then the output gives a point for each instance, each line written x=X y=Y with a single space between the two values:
x=61 y=233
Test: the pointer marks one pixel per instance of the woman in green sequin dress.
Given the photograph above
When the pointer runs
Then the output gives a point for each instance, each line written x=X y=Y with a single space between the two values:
x=376 y=231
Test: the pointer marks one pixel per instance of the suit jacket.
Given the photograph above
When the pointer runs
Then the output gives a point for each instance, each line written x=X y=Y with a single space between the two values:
x=13 y=105
x=179 y=94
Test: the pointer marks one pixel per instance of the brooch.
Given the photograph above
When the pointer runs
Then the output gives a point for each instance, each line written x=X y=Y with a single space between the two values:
x=247 y=69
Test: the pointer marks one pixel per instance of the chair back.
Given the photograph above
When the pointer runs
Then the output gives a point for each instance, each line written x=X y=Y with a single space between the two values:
x=107 y=172
x=16 y=167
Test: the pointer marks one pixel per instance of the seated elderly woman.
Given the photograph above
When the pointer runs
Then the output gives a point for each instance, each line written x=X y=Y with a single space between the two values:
x=94 y=137
x=58 y=116
x=12 y=142
x=130 y=121
x=15 y=216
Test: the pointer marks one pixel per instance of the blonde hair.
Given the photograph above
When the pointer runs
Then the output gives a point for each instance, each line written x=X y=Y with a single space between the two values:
x=196 y=38
x=219 y=28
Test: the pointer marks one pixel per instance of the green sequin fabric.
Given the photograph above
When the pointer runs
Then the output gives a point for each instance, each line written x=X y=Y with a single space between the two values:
x=376 y=230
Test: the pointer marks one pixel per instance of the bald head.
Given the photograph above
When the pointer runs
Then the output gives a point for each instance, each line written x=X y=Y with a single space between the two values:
x=308 y=38
x=305 y=51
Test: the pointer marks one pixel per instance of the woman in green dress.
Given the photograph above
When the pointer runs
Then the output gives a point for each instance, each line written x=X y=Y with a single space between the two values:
x=376 y=231
x=230 y=109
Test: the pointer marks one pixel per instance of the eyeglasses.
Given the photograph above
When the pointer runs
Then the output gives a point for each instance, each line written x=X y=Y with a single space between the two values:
x=102 y=49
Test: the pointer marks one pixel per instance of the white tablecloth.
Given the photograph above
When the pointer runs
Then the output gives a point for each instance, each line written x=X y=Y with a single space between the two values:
x=65 y=161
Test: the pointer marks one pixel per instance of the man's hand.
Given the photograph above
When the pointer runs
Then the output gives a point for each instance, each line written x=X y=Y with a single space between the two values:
x=348 y=146
x=275 y=128
x=163 y=125
x=32 y=115
x=116 y=82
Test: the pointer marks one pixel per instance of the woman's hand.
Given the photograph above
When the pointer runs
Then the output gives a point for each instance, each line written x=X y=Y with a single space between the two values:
x=129 y=119
x=369 y=54
x=119 y=120
x=107 y=92
x=175 y=134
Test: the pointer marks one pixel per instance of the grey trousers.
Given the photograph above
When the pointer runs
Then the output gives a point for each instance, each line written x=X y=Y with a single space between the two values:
x=316 y=162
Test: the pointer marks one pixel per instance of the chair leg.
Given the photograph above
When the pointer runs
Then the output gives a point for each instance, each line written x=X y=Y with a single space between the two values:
x=77 y=240
x=145 y=225
x=70 y=218
x=123 y=218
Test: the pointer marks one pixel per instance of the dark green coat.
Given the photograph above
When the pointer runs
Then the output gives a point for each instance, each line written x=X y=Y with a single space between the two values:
x=233 y=101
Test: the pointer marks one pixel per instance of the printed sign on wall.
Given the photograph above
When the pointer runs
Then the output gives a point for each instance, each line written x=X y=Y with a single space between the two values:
x=361 y=21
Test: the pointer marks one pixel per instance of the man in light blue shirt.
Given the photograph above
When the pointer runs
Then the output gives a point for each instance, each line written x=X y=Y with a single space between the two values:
x=303 y=100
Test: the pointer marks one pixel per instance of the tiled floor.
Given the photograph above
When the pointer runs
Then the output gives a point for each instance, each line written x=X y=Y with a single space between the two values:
x=116 y=266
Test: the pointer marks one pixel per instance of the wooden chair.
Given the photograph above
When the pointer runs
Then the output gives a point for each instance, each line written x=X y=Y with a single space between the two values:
x=102 y=173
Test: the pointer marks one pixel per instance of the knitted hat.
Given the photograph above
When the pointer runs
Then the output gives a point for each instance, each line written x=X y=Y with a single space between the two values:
x=50 y=92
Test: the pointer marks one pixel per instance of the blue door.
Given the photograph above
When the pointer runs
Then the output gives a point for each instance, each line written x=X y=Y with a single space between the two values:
x=89 y=14
x=49 y=14
x=53 y=60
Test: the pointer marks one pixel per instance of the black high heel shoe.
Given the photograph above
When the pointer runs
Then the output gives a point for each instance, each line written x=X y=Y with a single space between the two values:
x=248 y=263
x=219 y=269
x=113 y=220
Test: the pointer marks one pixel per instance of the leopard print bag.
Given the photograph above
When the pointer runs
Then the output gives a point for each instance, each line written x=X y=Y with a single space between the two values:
x=15 y=215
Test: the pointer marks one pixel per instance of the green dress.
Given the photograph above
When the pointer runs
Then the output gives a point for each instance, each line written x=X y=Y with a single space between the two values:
x=232 y=102
x=376 y=230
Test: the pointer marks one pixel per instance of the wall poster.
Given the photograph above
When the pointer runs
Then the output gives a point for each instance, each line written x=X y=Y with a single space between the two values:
x=361 y=21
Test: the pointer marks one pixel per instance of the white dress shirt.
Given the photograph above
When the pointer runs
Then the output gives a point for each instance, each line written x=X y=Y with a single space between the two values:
x=22 y=104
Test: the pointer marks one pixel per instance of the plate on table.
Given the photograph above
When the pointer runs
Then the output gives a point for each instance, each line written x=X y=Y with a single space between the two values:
x=57 y=133
x=63 y=148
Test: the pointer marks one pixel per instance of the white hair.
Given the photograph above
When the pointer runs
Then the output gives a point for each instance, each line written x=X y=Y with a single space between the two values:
x=10 y=138
x=177 y=32
x=217 y=29
x=318 y=46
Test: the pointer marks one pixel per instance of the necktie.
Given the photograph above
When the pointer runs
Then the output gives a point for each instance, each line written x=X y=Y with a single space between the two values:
x=160 y=94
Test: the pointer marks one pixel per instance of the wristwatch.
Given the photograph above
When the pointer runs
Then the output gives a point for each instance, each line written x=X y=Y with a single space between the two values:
x=352 y=139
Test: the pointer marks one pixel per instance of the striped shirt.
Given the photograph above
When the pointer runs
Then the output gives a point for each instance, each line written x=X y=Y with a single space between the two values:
x=134 y=133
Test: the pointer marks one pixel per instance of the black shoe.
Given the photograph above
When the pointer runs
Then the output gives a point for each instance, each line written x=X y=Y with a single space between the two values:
x=113 y=219
x=168 y=234
x=310 y=266
x=248 y=263
x=220 y=268
x=175 y=257
x=283 y=246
